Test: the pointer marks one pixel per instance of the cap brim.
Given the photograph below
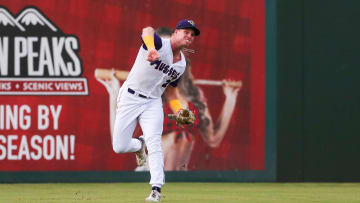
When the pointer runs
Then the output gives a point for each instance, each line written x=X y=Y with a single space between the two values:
x=196 y=31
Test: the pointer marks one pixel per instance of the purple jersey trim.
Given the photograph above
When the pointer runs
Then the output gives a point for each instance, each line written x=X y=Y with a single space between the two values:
x=157 y=41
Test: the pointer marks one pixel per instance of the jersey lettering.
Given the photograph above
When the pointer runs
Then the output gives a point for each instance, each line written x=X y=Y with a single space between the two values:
x=165 y=69
x=157 y=62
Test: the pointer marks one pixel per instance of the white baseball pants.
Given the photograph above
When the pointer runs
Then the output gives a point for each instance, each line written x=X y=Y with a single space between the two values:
x=149 y=112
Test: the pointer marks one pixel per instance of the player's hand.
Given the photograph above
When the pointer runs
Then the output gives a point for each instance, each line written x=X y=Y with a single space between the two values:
x=153 y=55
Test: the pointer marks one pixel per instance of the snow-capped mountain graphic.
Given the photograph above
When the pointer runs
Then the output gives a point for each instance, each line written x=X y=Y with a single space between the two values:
x=31 y=30
x=6 y=20
x=33 y=19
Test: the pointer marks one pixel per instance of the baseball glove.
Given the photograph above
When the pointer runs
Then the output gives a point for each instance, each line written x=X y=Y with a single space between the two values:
x=183 y=117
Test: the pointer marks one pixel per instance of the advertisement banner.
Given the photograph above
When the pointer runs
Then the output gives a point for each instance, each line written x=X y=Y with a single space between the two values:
x=62 y=64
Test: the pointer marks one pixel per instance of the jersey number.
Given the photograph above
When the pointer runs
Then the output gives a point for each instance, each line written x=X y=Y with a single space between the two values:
x=166 y=84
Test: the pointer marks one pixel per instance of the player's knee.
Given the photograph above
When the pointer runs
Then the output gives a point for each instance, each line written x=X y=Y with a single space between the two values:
x=153 y=144
x=154 y=148
x=119 y=148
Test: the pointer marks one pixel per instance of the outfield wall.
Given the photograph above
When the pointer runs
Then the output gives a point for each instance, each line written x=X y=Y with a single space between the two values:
x=57 y=99
x=317 y=80
x=295 y=117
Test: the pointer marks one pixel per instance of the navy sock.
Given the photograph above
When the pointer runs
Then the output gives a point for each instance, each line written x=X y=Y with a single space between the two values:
x=156 y=188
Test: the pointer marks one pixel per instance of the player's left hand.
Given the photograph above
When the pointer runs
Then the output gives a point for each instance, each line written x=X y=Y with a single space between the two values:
x=153 y=55
x=183 y=117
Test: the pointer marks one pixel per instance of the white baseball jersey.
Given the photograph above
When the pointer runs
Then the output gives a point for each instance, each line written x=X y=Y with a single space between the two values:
x=151 y=79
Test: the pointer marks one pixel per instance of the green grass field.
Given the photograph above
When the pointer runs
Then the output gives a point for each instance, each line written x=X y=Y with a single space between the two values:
x=182 y=192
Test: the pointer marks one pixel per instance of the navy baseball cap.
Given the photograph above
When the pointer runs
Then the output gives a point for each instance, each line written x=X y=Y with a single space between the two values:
x=188 y=24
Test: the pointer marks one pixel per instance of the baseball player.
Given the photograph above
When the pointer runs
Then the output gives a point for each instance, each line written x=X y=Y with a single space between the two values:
x=159 y=63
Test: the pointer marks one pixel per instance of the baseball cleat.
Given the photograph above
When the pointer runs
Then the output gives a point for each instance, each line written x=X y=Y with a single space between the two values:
x=154 y=196
x=141 y=154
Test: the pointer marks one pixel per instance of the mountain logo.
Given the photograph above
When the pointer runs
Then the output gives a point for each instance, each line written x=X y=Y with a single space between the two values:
x=33 y=48
x=31 y=16
x=6 y=19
